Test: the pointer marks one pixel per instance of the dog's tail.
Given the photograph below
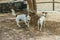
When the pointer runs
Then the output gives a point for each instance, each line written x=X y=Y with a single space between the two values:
x=13 y=12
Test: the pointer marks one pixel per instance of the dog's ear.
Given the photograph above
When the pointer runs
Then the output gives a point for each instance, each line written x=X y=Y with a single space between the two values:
x=45 y=12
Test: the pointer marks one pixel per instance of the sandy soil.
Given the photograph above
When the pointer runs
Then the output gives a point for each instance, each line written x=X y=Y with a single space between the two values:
x=10 y=31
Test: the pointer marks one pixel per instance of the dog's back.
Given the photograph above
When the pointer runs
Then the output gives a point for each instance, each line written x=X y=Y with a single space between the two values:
x=22 y=17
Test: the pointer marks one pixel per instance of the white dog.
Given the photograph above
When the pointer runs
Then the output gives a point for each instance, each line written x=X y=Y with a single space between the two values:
x=41 y=20
x=23 y=17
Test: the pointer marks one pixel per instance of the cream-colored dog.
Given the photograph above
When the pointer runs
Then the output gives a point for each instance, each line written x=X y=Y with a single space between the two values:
x=41 y=20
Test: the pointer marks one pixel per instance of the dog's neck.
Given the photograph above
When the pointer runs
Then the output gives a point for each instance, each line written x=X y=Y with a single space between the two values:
x=27 y=15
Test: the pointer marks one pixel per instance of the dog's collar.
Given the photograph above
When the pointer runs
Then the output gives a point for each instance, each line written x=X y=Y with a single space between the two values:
x=43 y=15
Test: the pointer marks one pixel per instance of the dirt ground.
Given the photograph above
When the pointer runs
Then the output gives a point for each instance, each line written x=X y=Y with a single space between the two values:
x=10 y=31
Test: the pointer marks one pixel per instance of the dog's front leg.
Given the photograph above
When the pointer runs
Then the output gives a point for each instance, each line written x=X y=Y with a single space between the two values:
x=27 y=23
x=41 y=26
x=38 y=26
x=44 y=23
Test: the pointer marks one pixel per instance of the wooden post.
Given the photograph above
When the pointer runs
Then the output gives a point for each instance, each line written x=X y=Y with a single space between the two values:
x=32 y=4
x=53 y=6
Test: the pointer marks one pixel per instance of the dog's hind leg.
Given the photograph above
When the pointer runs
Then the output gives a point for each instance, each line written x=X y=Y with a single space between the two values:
x=18 y=24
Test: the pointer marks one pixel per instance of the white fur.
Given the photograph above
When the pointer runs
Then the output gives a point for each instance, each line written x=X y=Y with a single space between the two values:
x=24 y=18
x=41 y=21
